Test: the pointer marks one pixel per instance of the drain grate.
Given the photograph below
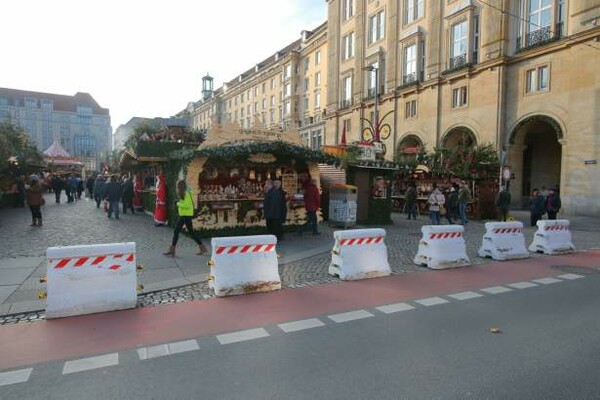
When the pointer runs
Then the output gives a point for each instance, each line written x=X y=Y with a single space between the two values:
x=575 y=269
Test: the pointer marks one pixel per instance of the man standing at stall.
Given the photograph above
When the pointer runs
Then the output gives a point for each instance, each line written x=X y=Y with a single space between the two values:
x=272 y=208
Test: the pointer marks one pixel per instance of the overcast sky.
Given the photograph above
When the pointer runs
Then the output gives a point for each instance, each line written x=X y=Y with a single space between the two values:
x=143 y=58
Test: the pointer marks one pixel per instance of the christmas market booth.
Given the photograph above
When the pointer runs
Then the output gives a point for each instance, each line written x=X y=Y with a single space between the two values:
x=477 y=166
x=59 y=162
x=228 y=172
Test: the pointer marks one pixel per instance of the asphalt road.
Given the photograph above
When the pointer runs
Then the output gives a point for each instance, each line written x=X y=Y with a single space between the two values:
x=548 y=349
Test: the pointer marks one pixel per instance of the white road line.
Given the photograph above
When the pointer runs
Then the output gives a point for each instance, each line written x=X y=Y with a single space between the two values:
x=431 y=301
x=570 y=276
x=86 y=364
x=547 y=281
x=393 y=308
x=496 y=289
x=350 y=316
x=521 y=285
x=146 y=353
x=465 y=295
x=242 y=336
x=16 y=376
x=301 y=325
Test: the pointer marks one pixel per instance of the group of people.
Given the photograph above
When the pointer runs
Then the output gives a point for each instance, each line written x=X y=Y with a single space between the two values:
x=71 y=184
x=117 y=190
x=451 y=204
x=545 y=201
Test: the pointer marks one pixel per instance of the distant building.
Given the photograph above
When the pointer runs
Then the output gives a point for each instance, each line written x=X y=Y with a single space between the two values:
x=124 y=131
x=77 y=122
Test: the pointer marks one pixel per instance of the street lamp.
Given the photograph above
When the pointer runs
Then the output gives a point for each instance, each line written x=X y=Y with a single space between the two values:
x=375 y=70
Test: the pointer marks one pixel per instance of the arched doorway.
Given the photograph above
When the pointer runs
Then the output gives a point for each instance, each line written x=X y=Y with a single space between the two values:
x=460 y=136
x=408 y=148
x=534 y=154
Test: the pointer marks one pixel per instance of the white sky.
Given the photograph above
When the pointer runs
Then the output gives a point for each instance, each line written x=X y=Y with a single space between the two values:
x=143 y=58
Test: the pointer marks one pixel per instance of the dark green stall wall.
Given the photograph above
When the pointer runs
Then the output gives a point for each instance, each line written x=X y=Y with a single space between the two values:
x=380 y=210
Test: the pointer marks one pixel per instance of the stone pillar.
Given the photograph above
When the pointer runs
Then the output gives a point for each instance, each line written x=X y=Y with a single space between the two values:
x=514 y=159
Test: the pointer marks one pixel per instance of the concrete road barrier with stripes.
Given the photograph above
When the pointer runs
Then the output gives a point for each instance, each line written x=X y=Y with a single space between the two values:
x=503 y=241
x=244 y=264
x=90 y=279
x=442 y=246
x=359 y=254
x=552 y=237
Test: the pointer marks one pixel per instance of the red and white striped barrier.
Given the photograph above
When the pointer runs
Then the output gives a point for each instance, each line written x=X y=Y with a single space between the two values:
x=552 y=237
x=90 y=279
x=442 y=246
x=503 y=241
x=244 y=264
x=359 y=254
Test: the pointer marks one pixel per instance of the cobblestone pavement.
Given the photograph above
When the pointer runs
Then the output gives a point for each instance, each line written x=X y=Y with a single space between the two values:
x=304 y=259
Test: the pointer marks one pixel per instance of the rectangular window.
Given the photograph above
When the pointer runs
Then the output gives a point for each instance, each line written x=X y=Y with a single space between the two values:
x=272 y=117
x=287 y=90
x=413 y=10
x=318 y=79
x=273 y=83
x=458 y=56
x=287 y=71
x=346 y=91
x=264 y=104
x=372 y=77
x=537 y=80
x=287 y=108
x=272 y=100
x=306 y=83
x=318 y=58
x=348 y=46
x=305 y=103
x=30 y=102
x=539 y=14
x=475 y=39
x=410 y=64
x=317 y=100
x=376 y=27
x=410 y=109
x=306 y=63
x=422 y=66
x=459 y=97
x=348 y=9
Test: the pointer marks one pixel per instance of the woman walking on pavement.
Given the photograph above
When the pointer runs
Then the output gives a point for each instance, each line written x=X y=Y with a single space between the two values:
x=185 y=209
x=35 y=200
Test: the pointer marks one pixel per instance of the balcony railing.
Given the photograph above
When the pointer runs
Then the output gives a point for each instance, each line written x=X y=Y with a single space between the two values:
x=346 y=103
x=458 y=61
x=539 y=37
x=409 y=78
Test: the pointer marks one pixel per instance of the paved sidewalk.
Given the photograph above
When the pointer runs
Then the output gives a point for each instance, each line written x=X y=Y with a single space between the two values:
x=304 y=259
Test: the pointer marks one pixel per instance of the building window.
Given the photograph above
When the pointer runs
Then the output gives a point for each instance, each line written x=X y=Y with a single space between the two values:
x=537 y=80
x=264 y=104
x=348 y=9
x=30 y=102
x=410 y=64
x=318 y=100
x=376 y=27
x=287 y=108
x=536 y=27
x=346 y=91
x=475 y=39
x=539 y=14
x=422 y=66
x=305 y=103
x=273 y=83
x=287 y=71
x=316 y=139
x=459 y=45
x=272 y=116
x=287 y=90
x=459 y=97
x=306 y=63
x=413 y=10
x=318 y=57
x=306 y=83
x=272 y=100
x=410 y=109
x=372 y=76
x=348 y=46
x=317 y=79
x=46 y=105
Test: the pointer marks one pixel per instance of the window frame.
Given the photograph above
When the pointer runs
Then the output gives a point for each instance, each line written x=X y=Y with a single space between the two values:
x=462 y=96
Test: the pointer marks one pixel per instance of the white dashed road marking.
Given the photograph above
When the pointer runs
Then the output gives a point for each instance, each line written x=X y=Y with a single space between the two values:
x=17 y=376
x=147 y=353
x=465 y=295
x=522 y=285
x=431 y=301
x=301 y=325
x=86 y=364
x=496 y=289
x=547 y=281
x=570 y=276
x=350 y=316
x=242 y=336
x=393 y=308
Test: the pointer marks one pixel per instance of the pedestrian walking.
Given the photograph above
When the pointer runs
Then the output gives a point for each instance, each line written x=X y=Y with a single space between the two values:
x=274 y=208
x=464 y=197
x=312 y=202
x=58 y=186
x=112 y=193
x=436 y=200
x=89 y=184
x=127 y=196
x=536 y=206
x=99 y=185
x=73 y=185
x=185 y=210
x=35 y=200
x=411 y=201
x=452 y=205
x=138 y=188
x=503 y=203
x=553 y=203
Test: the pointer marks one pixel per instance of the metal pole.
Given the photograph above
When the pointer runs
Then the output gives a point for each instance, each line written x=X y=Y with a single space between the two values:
x=376 y=114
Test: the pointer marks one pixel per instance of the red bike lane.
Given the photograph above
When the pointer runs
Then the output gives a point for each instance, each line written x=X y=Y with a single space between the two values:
x=66 y=338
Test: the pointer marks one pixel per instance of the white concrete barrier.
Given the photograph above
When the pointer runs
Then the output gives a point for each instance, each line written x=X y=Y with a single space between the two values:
x=552 y=237
x=359 y=254
x=90 y=279
x=503 y=241
x=442 y=246
x=244 y=264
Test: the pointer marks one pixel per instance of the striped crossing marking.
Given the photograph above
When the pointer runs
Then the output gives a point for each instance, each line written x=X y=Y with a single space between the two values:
x=508 y=230
x=245 y=249
x=113 y=261
x=445 y=235
x=361 y=241
x=86 y=364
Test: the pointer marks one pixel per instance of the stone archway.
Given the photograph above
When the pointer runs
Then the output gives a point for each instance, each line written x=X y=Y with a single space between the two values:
x=459 y=136
x=408 y=148
x=534 y=153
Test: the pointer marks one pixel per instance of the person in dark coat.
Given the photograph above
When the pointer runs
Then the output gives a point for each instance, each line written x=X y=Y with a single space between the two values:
x=127 y=196
x=553 y=204
x=58 y=186
x=536 y=206
x=273 y=208
x=411 y=201
x=452 y=205
x=503 y=203
x=89 y=185
x=112 y=193
x=99 y=185
x=312 y=202
x=35 y=200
